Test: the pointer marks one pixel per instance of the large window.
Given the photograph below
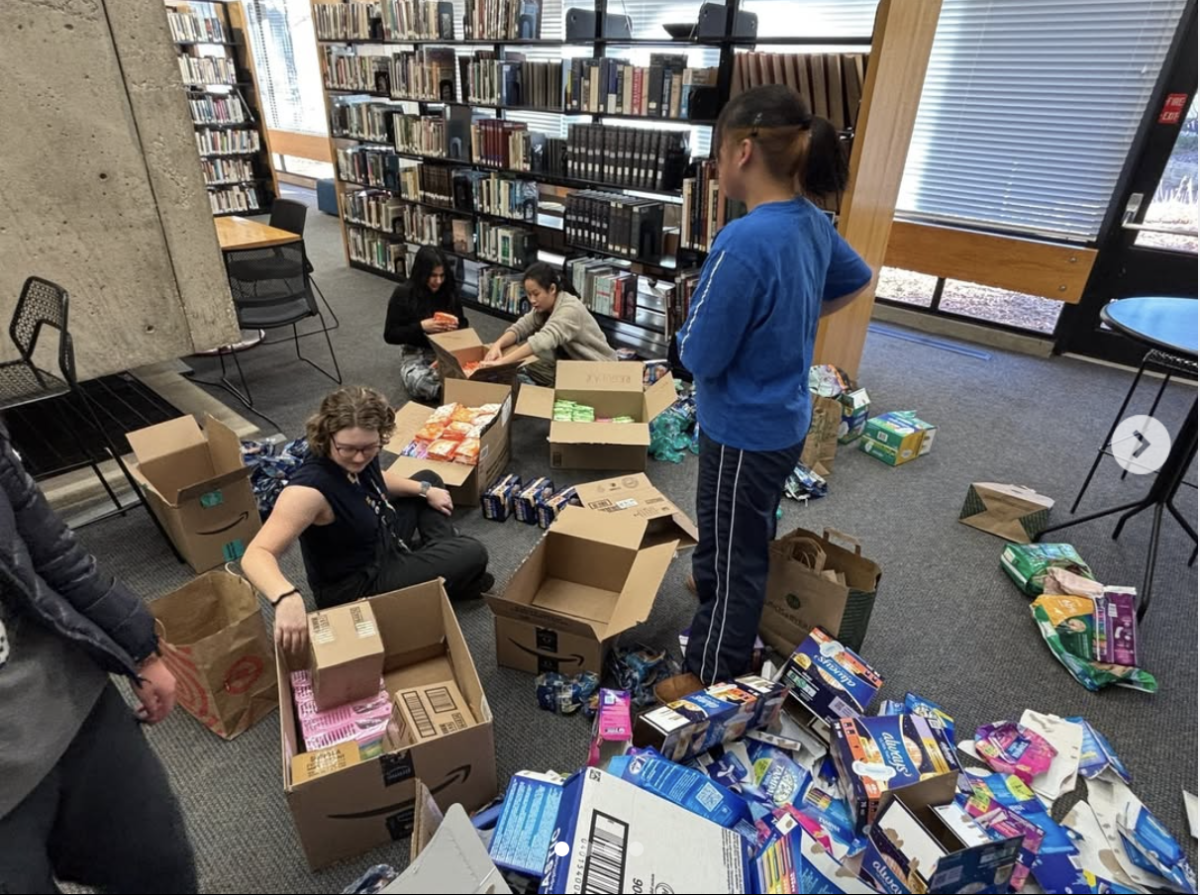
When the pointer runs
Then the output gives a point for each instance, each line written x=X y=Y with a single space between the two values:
x=289 y=74
x=1029 y=111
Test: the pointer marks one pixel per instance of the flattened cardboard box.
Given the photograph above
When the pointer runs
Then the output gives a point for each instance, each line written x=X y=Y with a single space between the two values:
x=636 y=496
x=588 y=580
x=614 y=389
x=453 y=861
x=1011 y=512
x=465 y=483
x=198 y=487
x=463 y=346
x=357 y=806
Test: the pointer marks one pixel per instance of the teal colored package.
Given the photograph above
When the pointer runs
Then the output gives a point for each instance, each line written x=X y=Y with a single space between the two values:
x=937 y=717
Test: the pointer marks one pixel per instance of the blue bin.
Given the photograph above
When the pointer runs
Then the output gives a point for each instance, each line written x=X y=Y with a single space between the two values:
x=327 y=196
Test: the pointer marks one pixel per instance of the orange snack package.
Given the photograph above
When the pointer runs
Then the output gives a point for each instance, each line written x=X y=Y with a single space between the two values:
x=443 y=413
x=468 y=452
x=459 y=431
x=431 y=431
x=443 y=317
x=470 y=367
x=463 y=414
x=443 y=449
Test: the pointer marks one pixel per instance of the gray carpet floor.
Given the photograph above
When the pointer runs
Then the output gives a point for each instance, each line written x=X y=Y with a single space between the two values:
x=948 y=624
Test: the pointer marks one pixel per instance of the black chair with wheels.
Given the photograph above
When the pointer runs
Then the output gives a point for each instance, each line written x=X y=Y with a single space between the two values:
x=284 y=299
x=43 y=305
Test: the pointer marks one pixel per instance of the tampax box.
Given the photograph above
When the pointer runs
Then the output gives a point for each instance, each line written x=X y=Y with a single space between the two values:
x=361 y=804
x=897 y=437
x=718 y=714
x=886 y=753
x=635 y=495
x=588 y=580
x=460 y=347
x=465 y=483
x=346 y=654
x=614 y=389
x=617 y=837
x=198 y=487
x=911 y=848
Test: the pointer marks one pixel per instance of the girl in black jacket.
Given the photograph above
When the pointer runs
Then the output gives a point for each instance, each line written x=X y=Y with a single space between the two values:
x=430 y=289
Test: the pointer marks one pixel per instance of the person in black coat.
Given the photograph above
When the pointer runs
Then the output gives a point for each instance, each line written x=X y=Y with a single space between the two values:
x=430 y=290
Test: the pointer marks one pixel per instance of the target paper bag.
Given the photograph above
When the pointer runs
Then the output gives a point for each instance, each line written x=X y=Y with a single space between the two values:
x=214 y=641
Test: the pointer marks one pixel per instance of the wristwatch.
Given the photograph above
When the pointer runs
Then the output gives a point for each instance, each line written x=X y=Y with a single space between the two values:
x=425 y=486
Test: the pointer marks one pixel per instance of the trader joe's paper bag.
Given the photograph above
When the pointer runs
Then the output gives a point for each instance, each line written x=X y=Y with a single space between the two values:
x=1009 y=511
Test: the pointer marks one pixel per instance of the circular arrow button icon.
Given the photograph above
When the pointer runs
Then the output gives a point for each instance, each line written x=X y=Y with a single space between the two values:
x=1140 y=444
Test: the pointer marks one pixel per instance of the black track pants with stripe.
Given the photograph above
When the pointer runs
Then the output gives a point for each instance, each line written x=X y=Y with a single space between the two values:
x=737 y=494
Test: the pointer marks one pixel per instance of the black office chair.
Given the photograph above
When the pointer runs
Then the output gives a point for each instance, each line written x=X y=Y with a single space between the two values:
x=22 y=382
x=283 y=299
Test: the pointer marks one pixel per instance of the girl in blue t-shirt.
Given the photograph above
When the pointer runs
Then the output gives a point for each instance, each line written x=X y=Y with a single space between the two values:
x=748 y=342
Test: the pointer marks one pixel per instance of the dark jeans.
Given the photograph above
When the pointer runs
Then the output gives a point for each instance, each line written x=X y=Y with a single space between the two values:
x=441 y=553
x=104 y=817
x=737 y=494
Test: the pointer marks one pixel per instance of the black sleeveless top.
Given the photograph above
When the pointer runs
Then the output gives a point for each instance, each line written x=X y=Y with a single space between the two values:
x=362 y=524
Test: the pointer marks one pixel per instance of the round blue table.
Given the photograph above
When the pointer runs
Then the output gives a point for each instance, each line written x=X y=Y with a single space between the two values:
x=1167 y=324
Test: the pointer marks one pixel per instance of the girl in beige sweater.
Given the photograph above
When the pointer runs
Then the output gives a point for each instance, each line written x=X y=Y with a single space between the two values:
x=560 y=327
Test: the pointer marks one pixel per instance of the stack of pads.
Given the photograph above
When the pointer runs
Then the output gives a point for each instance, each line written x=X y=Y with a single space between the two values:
x=534 y=503
x=572 y=412
x=451 y=434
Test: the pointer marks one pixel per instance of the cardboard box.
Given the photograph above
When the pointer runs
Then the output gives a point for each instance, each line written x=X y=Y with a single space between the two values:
x=198 y=487
x=463 y=346
x=346 y=654
x=1011 y=512
x=612 y=731
x=613 y=389
x=525 y=829
x=634 y=495
x=346 y=812
x=897 y=437
x=588 y=580
x=431 y=711
x=829 y=680
x=465 y=483
x=910 y=848
x=612 y=836
x=718 y=714
x=453 y=862
x=790 y=860
x=856 y=408
x=886 y=753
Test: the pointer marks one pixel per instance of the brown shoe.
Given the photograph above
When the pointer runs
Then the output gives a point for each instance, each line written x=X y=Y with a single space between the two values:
x=675 y=688
x=691 y=585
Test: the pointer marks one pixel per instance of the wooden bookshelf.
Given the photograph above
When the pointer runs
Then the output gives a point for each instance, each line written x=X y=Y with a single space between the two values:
x=235 y=155
x=898 y=53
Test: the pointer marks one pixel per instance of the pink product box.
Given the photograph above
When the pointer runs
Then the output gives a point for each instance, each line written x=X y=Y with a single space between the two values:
x=312 y=720
x=368 y=733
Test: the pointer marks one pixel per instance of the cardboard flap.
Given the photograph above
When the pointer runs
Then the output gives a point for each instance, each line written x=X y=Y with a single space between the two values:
x=475 y=394
x=456 y=340
x=660 y=396
x=455 y=860
x=641 y=589
x=533 y=400
x=628 y=434
x=156 y=442
x=409 y=419
x=603 y=528
x=212 y=484
x=224 y=446
x=598 y=376
x=453 y=474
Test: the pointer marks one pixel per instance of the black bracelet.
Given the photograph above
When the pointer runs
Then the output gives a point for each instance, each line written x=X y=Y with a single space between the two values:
x=279 y=599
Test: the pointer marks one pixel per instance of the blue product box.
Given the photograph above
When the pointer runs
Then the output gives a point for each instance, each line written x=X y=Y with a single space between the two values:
x=527 y=498
x=497 y=500
x=790 y=860
x=830 y=680
x=522 y=837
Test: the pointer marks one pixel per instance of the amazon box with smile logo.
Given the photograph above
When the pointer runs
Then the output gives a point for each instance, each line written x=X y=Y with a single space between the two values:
x=344 y=804
x=198 y=487
x=592 y=577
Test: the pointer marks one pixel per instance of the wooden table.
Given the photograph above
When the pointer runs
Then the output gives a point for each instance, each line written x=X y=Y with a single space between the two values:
x=236 y=233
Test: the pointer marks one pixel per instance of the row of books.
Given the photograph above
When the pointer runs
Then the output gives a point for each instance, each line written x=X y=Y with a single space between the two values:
x=369 y=167
x=232 y=199
x=418 y=20
x=190 y=27
x=502 y=144
x=344 y=21
x=346 y=70
x=420 y=134
x=362 y=121
x=704 y=208
x=200 y=71
x=226 y=170
x=627 y=156
x=831 y=84
x=663 y=89
x=435 y=228
x=506 y=244
x=507 y=82
x=217 y=110
x=604 y=287
x=612 y=222
x=679 y=301
x=376 y=250
x=425 y=73
x=502 y=289
x=227 y=142
x=377 y=209
x=500 y=196
x=502 y=19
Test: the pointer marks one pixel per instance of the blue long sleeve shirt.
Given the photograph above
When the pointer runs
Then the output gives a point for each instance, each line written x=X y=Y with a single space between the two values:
x=749 y=336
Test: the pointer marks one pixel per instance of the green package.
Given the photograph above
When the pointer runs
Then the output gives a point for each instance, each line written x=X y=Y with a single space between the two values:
x=1058 y=617
x=1029 y=564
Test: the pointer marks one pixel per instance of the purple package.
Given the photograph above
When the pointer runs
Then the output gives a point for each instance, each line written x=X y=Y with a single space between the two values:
x=1012 y=748
x=1116 y=627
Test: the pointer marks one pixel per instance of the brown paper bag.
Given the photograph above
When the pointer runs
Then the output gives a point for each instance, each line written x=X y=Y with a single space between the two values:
x=820 y=446
x=214 y=641
x=1012 y=512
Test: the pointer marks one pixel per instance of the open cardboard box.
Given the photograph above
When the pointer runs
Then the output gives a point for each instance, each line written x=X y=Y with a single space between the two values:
x=634 y=495
x=463 y=346
x=588 y=580
x=198 y=487
x=465 y=483
x=355 y=805
x=613 y=389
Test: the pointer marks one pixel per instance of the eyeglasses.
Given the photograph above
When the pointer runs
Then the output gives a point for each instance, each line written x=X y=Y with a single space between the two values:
x=353 y=450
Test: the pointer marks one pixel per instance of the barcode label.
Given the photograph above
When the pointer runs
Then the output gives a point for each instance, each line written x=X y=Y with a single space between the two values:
x=627 y=503
x=455 y=724
x=604 y=870
x=363 y=626
x=709 y=797
x=425 y=728
x=321 y=631
x=440 y=700
x=841 y=708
